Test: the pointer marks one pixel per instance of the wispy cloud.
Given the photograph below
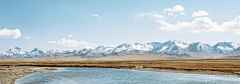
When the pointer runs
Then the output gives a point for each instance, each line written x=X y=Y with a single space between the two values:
x=236 y=32
x=95 y=15
x=70 y=35
x=71 y=9
x=170 y=14
x=151 y=14
x=14 y=33
x=69 y=42
x=28 y=37
x=51 y=42
x=88 y=47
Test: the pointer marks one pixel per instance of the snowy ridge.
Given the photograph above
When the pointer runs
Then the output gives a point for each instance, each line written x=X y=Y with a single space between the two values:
x=199 y=47
x=225 y=47
x=170 y=46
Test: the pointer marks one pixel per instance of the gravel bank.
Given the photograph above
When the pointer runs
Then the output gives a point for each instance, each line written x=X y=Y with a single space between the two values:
x=9 y=74
x=191 y=72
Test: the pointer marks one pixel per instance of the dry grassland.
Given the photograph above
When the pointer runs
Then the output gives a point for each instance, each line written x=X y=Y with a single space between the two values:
x=222 y=65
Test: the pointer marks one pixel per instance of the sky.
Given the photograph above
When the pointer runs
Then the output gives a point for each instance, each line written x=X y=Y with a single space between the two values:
x=77 y=24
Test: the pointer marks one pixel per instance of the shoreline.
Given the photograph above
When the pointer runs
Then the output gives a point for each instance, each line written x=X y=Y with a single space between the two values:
x=8 y=75
x=230 y=67
x=216 y=73
x=22 y=71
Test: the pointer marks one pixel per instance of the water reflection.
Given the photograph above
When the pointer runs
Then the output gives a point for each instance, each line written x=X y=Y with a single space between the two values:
x=120 y=76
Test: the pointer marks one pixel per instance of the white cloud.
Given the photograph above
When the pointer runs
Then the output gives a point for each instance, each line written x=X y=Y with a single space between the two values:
x=200 y=13
x=177 y=8
x=88 y=47
x=237 y=32
x=170 y=14
x=14 y=33
x=202 y=24
x=28 y=37
x=158 y=16
x=70 y=42
x=34 y=41
x=152 y=14
x=51 y=42
x=71 y=9
x=182 y=13
x=85 y=16
x=70 y=35
x=96 y=15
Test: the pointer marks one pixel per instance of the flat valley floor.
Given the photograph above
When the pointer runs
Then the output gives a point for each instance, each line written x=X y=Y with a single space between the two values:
x=191 y=66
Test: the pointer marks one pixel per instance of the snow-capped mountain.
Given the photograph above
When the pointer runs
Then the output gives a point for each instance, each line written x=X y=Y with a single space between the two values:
x=234 y=52
x=199 y=47
x=13 y=52
x=36 y=52
x=173 y=47
x=225 y=47
x=136 y=46
x=52 y=52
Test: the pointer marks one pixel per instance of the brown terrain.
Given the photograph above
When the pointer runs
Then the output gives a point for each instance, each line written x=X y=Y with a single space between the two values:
x=230 y=57
x=11 y=70
x=220 y=65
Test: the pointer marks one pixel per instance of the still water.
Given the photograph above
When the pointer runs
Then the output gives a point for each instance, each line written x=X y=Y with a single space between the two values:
x=72 y=75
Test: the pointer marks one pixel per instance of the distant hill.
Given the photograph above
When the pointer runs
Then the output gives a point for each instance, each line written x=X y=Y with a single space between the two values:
x=229 y=57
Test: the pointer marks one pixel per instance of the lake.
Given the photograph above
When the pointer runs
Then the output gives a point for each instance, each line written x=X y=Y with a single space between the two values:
x=71 y=75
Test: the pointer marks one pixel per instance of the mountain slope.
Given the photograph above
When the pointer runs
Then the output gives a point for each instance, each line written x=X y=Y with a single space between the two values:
x=199 y=47
x=171 y=46
x=234 y=52
x=225 y=47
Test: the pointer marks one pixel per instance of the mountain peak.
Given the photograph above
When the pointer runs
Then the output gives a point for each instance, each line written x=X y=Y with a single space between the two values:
x=17 y=48
x=197 y=42
x=35 y=49
x=173 y=40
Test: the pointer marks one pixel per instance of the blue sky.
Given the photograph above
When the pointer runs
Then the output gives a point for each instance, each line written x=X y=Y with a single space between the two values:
x=76 y=24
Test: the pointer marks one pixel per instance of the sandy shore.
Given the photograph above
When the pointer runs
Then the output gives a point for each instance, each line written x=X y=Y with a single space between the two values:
x=9 y=74
x=227 y=74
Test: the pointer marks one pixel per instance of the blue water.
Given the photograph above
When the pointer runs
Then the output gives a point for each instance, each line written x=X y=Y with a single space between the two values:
x=120 y=76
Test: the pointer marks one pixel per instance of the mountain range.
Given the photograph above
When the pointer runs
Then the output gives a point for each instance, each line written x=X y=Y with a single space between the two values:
x=170 y=47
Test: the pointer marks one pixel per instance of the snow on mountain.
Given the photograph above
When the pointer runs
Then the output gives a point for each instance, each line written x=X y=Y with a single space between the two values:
x=199 y=47
x=104 y=49
x=172 y=46
x=137 y=46
x=37 y=52
x=67 y=52
x=225 y=47
x=12 y=52
x=155 y=44
x=234 y=52
x=52 y=52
